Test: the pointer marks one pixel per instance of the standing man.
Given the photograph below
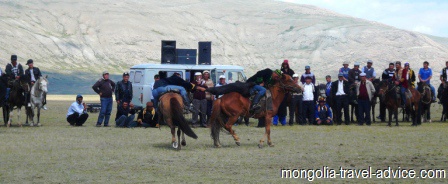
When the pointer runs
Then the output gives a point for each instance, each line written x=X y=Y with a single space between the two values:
x=308 y=73
x=34 y=74
x=105 y=88
x=199 y=101
x=339 y=90
x=296 y=103
x=222 y=82
x=425 y=75
x=365 y=91
x=369 y=71
x=308 y=101
x=123 y=91
x=77 y=114
x=210 y=98
x=344 y=70
x=328 y=88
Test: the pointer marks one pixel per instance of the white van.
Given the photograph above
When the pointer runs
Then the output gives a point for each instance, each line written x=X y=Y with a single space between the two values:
x=142 y=77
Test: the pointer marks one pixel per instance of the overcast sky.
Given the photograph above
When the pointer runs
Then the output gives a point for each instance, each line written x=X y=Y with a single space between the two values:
x=429 y=17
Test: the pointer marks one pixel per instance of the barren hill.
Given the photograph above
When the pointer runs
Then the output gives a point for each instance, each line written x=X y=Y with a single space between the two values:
x=79 y=39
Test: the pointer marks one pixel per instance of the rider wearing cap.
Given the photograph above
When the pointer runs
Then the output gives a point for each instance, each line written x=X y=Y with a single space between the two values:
x=308 y=73
x=123 y=91
x=344 y=70
x=33 y=73
x=369 y=70
x=353 y=74
x=13 y=70
x=401 y=78
x=264 y=78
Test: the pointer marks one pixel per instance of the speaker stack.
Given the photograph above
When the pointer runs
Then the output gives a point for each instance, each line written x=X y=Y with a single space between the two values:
x=205 y=53
x=171 y=55
x=169 y=52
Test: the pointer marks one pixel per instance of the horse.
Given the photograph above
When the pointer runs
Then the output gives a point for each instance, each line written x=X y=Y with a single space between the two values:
x=376 y=83
x=413 y=106
x=425 y=92
x=233 y=105
x=352 y=96
x=38 y=92
x=388 y=93
x=17 y=98
x=443 y=94
x=171 y=109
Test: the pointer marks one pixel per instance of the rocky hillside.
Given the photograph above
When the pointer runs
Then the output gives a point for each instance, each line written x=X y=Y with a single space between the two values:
x=79 y=39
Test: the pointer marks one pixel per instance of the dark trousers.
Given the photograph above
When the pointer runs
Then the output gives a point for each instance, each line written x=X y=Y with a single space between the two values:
x=364 y=107
x=342 y=103
x=382 y=110
x=209 y=109
x=76 y=120
x=308 y=111
x=295 y=106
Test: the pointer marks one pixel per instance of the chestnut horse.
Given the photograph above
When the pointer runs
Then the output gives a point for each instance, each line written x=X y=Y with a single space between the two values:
x=233 y=105
x=172 y=113
x=425 y=92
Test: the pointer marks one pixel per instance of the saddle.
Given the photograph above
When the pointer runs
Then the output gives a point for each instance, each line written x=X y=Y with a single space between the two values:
x=170 y=91
x=265 y=102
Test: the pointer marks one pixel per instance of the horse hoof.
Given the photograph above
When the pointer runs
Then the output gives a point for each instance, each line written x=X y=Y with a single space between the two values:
x=175 y=145
x=396 y=125
x=32 y=124
x=238 y=143
x=271 y=145
x=260 y=146
x=183 y=143
x=217 y=146
x=39 y=124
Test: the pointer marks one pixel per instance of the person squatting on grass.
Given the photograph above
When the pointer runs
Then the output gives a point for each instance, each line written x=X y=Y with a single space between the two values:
x=125 y=114
x=323 y=113
x=147 y=117
x=77 y=114
x=105 y=88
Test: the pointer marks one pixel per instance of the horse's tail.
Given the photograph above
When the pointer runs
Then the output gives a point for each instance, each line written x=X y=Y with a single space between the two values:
x=215 y=120
x=178 y=117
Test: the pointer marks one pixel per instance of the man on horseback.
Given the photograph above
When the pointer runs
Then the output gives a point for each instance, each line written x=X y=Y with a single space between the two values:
x=262 y=79
x=443 y=79
x=425 y=75
x=387 y=75
x=369 y=71
x=34 y=74
x=401 y=79
x=13 y=70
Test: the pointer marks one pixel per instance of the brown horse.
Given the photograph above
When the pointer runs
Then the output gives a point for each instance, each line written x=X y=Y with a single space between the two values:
x=388 y=94
x=413 y=106
x=425 y=92
x=233 y=105
x=172 y=113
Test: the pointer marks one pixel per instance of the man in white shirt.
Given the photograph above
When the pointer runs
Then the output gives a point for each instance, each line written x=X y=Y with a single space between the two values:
x=77 y=114
x=308 y=101
x=339 y=90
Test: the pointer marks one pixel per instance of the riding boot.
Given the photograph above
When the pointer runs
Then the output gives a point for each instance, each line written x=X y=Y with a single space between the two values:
x=187 y=105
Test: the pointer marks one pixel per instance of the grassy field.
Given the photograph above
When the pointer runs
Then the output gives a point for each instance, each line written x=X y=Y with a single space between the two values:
x=59 y=153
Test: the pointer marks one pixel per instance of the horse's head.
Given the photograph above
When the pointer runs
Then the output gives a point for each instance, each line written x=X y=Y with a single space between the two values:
x=382 y=87
x=288 y=84
x=322 y=90
x=42 y=84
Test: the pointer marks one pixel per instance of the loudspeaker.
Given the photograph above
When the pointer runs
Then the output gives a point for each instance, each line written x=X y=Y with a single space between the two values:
x=168 y=52
x=205 y=53
x=186 y=56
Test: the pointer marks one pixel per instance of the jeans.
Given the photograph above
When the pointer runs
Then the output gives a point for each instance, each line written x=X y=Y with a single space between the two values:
x=160 y=90
x=261 y=92
x=124 y=121
x=403 y=95
x=106 y=108
x=76 y=119
x=364 y=112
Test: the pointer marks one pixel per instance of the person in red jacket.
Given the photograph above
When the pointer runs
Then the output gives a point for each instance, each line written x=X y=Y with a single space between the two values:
x=401 y=79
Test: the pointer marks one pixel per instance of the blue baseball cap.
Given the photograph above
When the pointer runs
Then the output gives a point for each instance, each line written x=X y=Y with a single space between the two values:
x=307 y=67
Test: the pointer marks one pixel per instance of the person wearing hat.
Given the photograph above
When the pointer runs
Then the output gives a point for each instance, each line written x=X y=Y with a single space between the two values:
x=146 y=118
x=365 y=92
x=33 y=73
x=308 y=101
x=286 y=69
x=77 y=113
x=387 y=75
x=210 y=98
x=308 y=73
x=328 y=85
x=266 y=78
x=369 y=71
x=323 y=113
x=443 y=80
x=425 y=75
x=340 y=90
x=199 y=101
x=222 y=82
x=156 y=78
x=296 y=103
x=14 y=70
x=123 y=90
x=353 y=74
x=401 y=79
x=105 y=88
x=345 y=69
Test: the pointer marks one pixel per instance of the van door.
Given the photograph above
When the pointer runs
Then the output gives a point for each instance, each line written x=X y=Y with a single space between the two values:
x=137 y=79
x=213 y=75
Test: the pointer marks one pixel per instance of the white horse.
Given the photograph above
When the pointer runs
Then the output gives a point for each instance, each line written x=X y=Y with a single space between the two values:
x=38 y=93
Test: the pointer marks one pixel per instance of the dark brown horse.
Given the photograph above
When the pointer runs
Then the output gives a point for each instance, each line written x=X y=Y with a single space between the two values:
x=425 y=92
x=172 y=114
x=376 y=84
x=388 y=93
x=443 y=97
x=16 y=98
x=233 y=105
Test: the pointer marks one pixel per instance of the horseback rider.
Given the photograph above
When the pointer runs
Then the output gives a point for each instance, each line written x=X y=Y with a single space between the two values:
x=13 y=70
x=262 y=79
x=308 y=73
x=369 y=71
x=34 y=74
x=401 y=79
x=389 y=73
x=443 y=79
x=425 y=75
x=353 y=78
x=344 y=70
x=286 y=69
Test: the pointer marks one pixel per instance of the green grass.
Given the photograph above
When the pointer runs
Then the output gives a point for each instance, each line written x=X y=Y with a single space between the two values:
x=58 y=153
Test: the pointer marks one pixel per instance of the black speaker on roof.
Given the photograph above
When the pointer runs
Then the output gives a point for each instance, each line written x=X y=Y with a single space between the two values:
x=186 y=56
x=169 y=52
x=205 y=53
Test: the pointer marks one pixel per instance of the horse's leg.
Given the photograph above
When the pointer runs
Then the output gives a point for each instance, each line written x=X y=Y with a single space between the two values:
x=373 y=112
x=38 y=116
x=390 y=117
x=183 y=143
x=396 y=114
x=11 y=114
x=18 y=116
x=268 y=120
x=228 y=127
x=178 y=138
x=173 y=137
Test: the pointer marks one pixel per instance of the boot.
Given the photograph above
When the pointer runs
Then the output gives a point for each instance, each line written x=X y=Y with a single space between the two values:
x=283 y=120
x=275 y=120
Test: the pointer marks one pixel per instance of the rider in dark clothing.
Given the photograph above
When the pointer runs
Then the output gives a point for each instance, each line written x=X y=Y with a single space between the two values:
x=13 y=70
x=262 y=77
x=285 y=68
